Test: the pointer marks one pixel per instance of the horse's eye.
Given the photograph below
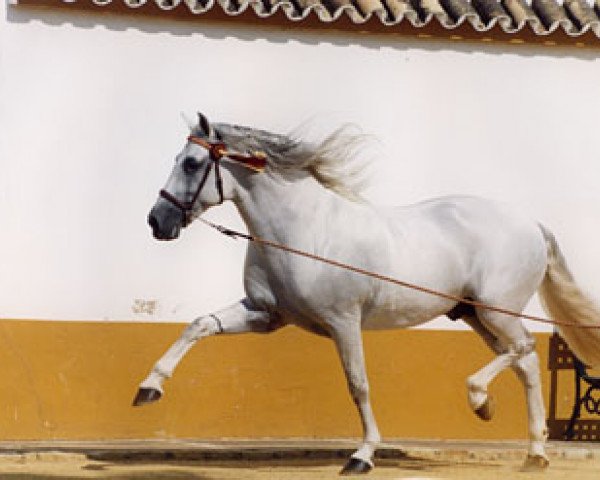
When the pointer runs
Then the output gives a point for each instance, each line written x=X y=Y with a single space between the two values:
x=190 y=165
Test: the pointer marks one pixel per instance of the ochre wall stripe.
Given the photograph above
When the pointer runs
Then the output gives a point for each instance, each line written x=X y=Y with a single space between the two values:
x=76 y=380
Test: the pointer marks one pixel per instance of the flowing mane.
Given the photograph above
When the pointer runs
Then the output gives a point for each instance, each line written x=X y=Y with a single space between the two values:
x=332 y=162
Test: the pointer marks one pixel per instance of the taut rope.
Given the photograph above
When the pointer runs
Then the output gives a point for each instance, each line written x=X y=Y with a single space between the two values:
x=235 y=234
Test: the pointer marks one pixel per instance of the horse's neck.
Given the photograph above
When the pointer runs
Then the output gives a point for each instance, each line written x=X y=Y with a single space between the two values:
x=278 y=209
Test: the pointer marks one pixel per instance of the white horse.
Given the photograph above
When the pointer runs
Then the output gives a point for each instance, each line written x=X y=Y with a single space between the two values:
x=464 y=246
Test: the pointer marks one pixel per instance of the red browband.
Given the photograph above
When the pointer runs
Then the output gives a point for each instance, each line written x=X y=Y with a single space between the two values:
x=257 y=161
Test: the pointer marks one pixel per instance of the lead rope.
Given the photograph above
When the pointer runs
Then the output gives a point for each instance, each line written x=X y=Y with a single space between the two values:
x=455 y=298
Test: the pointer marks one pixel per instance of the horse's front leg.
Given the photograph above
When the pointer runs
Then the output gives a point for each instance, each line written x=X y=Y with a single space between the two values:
x=241 y=317
x=348 y=339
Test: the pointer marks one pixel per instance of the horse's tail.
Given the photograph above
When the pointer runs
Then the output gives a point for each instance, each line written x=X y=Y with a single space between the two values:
x=564 y=301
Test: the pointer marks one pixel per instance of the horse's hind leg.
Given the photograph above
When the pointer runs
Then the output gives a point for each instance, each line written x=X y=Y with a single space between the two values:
x=527 y=368
x=480 y=400
x=516 y=347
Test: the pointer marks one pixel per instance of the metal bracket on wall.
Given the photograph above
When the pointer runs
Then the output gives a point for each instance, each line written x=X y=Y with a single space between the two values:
x=575 y=427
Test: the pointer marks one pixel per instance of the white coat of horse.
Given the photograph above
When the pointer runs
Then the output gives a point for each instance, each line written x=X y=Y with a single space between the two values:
x=463 y=246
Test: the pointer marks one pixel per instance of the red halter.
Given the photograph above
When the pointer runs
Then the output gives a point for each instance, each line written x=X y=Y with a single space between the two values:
x=216 y=151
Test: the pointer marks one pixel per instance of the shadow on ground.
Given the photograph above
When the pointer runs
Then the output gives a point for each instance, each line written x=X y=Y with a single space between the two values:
x=195 y=464
x=262 y=459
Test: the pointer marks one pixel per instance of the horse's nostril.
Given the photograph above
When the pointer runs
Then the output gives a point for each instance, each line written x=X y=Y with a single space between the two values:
x=153 y=222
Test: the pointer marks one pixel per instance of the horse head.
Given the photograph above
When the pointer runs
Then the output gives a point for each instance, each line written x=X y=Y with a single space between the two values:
x=187 y=194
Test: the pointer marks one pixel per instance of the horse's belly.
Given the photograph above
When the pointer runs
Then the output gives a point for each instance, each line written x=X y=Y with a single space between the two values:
x=391 y=320
x=406 y=314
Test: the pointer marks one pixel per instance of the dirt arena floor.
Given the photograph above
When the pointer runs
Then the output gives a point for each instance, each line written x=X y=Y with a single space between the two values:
x=289 y=460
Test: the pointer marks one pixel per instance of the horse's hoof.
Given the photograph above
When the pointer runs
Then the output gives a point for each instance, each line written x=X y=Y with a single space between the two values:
x=146 y=395
x=356 y=466
x=535 y=463
x=487 y=410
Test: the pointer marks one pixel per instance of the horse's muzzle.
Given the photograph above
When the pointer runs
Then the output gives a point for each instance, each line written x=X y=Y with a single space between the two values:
x=165 y=221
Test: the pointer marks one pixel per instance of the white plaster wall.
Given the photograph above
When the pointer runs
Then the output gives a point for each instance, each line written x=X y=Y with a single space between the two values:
x=90 y=122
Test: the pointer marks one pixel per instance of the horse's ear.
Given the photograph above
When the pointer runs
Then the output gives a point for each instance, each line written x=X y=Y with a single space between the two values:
x=204 y=124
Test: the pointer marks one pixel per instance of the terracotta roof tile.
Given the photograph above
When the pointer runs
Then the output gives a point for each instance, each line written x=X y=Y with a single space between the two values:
x=574 y=17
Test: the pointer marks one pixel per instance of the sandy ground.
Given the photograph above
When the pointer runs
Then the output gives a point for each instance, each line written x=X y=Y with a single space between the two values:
x=421 y=461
